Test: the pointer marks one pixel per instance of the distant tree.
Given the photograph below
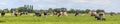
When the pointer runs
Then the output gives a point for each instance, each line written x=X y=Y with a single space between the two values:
x=29 y=8
x=13 y=9
x=63 y=9
x=6 y=10
x=71 y=11
x=99 y=10
x=41 y=11
x=82 y=11
x=22 y=9
x=87 y=10
x=50 y=10
x=26 y=8
x=118 y=13
x=57 y=9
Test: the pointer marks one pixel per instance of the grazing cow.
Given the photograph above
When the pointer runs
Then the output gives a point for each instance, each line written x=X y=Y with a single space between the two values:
x=97 y=17
x=45 y=13
x=60 y=12
x=26 y=13
x=94 y=14
x=111 y=14
x=77 y=12
x=101 y=15
x=64 y=13
x=23 y=13
x=2 y=13
x=15 y=13
x=57 y=12
x=91 y=13
x=54 y=13
x=51 y=14
x=37 y=14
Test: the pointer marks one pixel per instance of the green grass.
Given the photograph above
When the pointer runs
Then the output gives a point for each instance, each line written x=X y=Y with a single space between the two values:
x=70 y=19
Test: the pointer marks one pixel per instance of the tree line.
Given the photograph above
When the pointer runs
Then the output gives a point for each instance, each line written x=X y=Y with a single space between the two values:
x=30 y=9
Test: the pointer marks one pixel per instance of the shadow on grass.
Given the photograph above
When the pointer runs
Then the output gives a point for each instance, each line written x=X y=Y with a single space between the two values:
x=1 y=21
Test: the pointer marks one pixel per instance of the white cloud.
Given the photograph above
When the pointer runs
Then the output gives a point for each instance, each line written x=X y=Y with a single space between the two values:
x=35 y=0
x=31 y=0
x=3 y=3
x=78 y=1
x=100 y=2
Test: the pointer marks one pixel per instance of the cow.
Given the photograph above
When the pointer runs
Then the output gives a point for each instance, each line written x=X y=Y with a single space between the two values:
x=91 y=13
x=45 y=14
x=77 y=12
x=15 y=13
x=111 y=13
x=3 y=13
x=23 y=13
x=60 y=12
x=57 y=12
x=64 y=13
x=101 y=15
x=37 y=14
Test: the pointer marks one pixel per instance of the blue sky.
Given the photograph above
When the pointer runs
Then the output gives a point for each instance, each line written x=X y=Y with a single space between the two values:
x=107 y=5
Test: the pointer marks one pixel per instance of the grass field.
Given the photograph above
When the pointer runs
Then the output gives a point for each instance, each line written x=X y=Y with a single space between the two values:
x=70 y=19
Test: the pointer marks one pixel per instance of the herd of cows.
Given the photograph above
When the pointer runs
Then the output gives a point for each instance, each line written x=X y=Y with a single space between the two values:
x=98 y=16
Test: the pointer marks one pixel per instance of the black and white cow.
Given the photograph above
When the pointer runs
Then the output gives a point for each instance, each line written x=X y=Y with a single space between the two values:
x=3 y=13
x=15 y=13
x=37 y=14
x=101 y=15
x=77 y=12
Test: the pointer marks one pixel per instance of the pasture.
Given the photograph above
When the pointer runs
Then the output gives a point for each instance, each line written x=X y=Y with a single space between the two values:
x=70 y=19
